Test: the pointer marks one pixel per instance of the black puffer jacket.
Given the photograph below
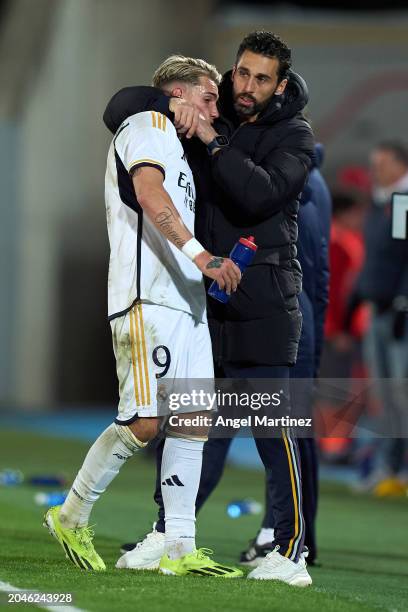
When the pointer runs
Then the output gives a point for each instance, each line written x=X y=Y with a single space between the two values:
x=250 y=187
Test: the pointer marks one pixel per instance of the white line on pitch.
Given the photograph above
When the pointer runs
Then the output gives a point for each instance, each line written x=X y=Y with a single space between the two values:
x=7 y=587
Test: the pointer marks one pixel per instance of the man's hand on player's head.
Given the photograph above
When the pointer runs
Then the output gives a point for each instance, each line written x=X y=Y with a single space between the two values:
x=186 y=116
x=221 y=269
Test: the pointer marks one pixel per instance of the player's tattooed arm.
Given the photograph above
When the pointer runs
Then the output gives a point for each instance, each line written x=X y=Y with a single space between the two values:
x=158 y=206
x=169 y=225
x=216 y=262
x=221 y=269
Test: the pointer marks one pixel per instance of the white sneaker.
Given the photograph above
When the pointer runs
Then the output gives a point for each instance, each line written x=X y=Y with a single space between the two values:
x=146 y=555
x=277 y=567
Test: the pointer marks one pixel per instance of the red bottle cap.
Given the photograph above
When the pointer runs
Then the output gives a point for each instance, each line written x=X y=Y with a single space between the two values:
x=249 y=242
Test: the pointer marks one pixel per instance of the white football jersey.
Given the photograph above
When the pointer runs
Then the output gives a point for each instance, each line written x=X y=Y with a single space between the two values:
x=144 y=265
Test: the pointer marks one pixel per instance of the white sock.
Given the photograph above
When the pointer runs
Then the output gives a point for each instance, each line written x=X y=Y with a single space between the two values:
x=180 y=475
x=265 y=536
x=102 y=463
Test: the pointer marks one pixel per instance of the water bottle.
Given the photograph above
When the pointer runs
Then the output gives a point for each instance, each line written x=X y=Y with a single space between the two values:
x=241 y=507
x=242 y=254
x=9 y=477
x=56 y=498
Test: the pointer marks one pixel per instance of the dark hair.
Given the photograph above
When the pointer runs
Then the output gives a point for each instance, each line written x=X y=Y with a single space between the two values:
x=399 y=150
x=270 y=45
x=345 y=200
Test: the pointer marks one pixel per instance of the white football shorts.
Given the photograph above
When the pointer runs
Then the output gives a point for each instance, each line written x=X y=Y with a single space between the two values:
x=154 y=343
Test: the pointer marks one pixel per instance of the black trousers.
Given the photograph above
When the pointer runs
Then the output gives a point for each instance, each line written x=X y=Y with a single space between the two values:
x=309 y=464
x=280 y=456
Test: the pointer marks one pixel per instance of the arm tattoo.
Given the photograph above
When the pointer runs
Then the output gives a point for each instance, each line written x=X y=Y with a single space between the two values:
x=166 y=222
x=216 y=262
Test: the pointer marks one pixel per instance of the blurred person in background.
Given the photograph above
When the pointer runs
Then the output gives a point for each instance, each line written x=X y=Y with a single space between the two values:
x=344 y=327
x=346 y=253
x=383 y=283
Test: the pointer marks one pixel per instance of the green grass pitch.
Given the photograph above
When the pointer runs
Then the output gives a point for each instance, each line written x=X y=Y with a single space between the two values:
x=363 y=543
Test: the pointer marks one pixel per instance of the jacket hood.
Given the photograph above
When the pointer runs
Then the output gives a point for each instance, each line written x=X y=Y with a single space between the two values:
x=292 y=101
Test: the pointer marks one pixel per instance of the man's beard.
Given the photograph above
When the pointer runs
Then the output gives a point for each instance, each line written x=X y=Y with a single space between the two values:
x=250 y=111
